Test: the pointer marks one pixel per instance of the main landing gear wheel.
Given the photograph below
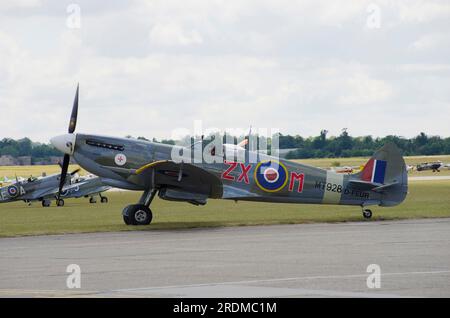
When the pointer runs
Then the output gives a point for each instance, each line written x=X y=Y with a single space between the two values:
x=137 y=214
x=60 y=202
x=367 y=213
x=46 y=203
x=104 y=200
x=92 y=200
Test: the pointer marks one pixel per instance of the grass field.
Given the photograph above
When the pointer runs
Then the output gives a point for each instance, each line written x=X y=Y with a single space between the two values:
x=26 y=171
x=426 y=199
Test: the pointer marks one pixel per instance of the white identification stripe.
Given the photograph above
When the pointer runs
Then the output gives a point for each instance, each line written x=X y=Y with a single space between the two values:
x=373 y=170
x=335 y=179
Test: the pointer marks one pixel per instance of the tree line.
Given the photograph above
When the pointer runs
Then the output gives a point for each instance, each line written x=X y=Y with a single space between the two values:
x=25 y=147
x=321 y=146
x=345 y=145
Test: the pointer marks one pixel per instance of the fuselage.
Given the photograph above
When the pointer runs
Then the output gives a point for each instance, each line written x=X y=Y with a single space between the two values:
x=266 y=179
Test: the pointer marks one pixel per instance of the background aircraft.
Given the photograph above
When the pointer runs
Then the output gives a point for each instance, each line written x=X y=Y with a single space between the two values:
x=88 y=187
x=434 y=166
x=347 y=169
x=46 y=189
x=148 y=167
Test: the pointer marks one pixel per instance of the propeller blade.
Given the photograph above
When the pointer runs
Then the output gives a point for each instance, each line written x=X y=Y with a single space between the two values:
x=66 y=161
x=74 y=115
x=75 y=172
x=65 y=167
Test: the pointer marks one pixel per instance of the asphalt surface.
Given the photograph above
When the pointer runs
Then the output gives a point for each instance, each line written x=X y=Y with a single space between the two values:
x=315 y=260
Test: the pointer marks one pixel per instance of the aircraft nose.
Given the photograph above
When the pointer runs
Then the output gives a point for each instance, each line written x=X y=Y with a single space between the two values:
x=64 y=143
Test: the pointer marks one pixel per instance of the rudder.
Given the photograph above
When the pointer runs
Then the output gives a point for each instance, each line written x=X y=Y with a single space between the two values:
x=387 y=167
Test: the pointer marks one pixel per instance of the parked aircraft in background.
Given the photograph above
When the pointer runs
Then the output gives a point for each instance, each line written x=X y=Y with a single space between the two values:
x=434 y=166
x=86 y=186
x=46 y=189
x=347 y=169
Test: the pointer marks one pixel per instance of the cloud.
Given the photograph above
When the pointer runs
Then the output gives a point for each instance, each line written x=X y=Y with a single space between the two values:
x=419 y=11
x=431 y=41
x=20 y=4
x=147 y=67
x=173 y=34
x=360 y=89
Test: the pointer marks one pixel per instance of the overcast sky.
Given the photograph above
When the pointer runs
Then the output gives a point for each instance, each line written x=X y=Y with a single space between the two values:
x=148 y=67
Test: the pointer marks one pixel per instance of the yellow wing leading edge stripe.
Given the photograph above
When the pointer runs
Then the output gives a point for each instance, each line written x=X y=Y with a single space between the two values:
x=150 y=165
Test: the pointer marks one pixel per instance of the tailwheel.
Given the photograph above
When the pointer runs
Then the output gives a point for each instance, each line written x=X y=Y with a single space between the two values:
x=367 y=213
x=137 y=214
x=60 y=202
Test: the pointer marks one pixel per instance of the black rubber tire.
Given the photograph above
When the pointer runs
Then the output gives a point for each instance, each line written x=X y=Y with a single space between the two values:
x=104 y=200
x=138 y=214
x=126 y=220
x=367 y=214
x=46 y=203
x=92 y=200
x=60 y=202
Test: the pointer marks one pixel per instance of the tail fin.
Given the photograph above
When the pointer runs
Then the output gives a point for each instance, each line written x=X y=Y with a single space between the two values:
x=374 y=171
x=386 y=173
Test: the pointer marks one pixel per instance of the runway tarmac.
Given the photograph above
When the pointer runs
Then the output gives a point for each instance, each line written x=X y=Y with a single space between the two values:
x=309 y=260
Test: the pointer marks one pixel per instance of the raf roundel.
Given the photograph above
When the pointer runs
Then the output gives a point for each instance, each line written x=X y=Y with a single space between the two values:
x=120 y=159
x=13 y=191
x=271 y=176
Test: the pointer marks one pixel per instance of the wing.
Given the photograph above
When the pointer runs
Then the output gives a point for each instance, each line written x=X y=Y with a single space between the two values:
x=37 y=194
x=230 y=192
x=184 y=177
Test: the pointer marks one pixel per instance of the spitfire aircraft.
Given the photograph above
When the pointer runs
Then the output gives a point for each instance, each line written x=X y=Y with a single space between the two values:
x=46 y=189
x=150 y=167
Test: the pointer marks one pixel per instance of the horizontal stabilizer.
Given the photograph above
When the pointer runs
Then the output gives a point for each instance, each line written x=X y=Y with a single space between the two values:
x=374 y=186
x=364 y=185
x=385 y=187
